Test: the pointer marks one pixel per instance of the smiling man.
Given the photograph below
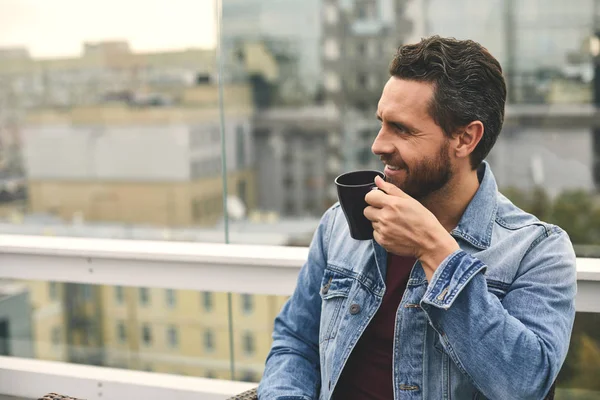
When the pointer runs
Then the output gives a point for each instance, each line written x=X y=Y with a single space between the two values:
x=460 y=295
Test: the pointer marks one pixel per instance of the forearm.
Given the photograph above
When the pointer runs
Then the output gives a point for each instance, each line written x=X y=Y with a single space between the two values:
x=292 y=368
x=486 y=342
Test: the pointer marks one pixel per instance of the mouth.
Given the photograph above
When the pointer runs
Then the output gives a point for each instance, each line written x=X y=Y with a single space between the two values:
x=393 y=170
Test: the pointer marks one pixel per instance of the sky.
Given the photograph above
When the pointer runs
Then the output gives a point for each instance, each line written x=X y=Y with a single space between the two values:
x=58 y=28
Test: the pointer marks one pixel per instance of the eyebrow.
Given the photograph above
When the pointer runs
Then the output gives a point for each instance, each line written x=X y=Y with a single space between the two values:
x=402 y=125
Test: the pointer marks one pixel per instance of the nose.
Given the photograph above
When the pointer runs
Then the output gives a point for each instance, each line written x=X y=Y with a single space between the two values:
x=382 y=144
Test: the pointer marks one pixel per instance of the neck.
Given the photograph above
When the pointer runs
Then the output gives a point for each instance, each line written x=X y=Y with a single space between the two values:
x=449 y=203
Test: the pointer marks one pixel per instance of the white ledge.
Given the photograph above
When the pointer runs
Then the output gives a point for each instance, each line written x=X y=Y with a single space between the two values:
x=154 y=250
x=35 y=378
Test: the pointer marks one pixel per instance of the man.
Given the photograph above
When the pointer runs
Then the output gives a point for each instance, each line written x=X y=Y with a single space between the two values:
x=460 y=295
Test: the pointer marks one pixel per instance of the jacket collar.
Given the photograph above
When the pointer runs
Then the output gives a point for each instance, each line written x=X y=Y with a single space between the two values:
x=477 y=222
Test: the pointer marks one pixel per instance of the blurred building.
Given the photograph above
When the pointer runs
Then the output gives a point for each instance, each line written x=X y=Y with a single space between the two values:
x=186 y=332
x=105 y=72
x=140 y=165
x=297 y=159
x=16 y=333
x=359 y=39
x=102 y=70
x=291 y=31
x=358 y=42
x=543 y=45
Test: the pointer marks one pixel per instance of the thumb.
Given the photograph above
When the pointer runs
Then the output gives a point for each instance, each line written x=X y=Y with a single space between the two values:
x=389 y=188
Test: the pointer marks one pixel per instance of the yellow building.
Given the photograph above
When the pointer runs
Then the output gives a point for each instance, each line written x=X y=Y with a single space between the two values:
x=48 y=320
x=187 y=332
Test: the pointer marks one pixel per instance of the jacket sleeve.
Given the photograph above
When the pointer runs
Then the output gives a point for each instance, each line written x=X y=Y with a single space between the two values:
x=292 y=370
x=520 y=342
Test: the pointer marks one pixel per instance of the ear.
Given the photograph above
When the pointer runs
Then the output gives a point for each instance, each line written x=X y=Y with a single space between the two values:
x=468 y=139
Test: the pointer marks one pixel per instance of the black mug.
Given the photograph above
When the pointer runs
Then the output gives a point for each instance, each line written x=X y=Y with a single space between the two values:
x=352 y=187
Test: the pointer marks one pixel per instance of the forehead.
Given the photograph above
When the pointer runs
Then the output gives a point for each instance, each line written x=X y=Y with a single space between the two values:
x=405 y=97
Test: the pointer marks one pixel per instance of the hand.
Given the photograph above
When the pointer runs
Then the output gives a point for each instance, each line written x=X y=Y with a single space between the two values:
x=404 y=227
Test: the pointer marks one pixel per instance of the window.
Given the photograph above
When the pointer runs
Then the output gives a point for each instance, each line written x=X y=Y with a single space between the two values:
x=173 y=337
x=86 y=292
x=197 y=209
x=247 y=303
x=147 y=335
x=121 y=332
x=56 y=336
x=242 y=191
x=171 y=298
x=240 y=146
x=53 y=291
x=289 y=208
x=196 y=169
x=331 y=49
x=209 y=341
x=248 y=344
x=372 y=82
x=210 y=374
x=372 y=48
x=361 y=11
x=288 y=181
x=331 y=13
x=361 y=79
x=360 y=48
x=196 y=137
x=207 y=301
x=119 y=295
x=144 y=296
x=332 y=82
x=215 y=135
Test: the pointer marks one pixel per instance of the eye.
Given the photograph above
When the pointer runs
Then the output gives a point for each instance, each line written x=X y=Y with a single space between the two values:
x=400 y=128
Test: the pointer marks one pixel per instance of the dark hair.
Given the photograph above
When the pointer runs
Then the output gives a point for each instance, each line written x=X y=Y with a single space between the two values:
x=468 y=85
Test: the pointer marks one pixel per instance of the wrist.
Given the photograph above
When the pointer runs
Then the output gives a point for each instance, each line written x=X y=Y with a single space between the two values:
x=435 y=251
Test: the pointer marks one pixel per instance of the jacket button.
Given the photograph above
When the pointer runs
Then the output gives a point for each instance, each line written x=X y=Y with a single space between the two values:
x=325 y=288
x=354 y=309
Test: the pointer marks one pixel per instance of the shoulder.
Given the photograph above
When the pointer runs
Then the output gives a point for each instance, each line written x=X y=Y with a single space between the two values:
x=510 y=220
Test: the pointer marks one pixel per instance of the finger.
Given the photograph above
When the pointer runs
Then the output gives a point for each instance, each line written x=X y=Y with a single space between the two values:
x=389 y=188
x=378 y=238
x=371 y=213
x=377 y=198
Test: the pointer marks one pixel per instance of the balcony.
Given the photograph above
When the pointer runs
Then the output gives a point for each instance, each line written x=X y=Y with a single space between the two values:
x=248 y=269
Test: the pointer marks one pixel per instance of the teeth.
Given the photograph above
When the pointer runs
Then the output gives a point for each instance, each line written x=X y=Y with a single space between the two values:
x=393 y=168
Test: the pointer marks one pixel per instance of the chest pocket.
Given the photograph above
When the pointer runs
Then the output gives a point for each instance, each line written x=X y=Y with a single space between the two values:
x=335 y=289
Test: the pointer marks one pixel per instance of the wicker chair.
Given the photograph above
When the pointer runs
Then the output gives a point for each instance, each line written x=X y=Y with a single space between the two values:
x=248 y=395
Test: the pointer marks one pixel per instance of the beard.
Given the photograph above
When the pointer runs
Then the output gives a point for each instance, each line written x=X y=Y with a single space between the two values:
x=425 y=177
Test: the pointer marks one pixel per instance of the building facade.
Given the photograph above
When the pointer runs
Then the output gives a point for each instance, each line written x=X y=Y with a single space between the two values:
x=148 y=165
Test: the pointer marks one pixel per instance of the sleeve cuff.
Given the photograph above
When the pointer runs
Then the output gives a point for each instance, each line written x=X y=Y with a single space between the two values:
x=451 y=277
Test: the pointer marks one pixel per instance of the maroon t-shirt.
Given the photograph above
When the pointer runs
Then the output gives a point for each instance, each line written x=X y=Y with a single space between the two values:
x=368 y=372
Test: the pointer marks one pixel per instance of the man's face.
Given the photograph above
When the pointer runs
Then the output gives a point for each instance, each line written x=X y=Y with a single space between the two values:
x=412 y=146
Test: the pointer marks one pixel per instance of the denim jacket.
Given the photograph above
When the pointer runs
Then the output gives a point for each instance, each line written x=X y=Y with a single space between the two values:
x=494 y=322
